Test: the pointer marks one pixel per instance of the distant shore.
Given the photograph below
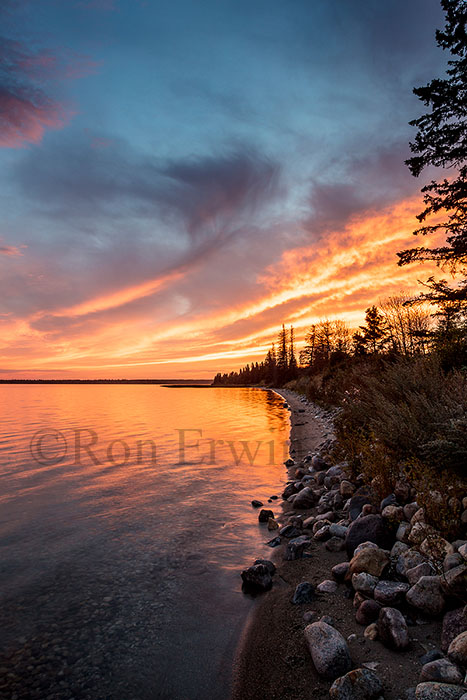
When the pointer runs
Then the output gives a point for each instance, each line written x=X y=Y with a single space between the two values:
x=162 y=382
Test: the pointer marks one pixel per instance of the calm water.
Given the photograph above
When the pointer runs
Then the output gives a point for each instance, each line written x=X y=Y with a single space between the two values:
x=125 y=519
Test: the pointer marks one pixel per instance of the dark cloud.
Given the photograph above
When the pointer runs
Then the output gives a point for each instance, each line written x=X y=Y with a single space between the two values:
x=203 y=196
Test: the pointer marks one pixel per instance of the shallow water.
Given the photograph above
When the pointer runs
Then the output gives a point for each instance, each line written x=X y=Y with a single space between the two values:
x=125 y=519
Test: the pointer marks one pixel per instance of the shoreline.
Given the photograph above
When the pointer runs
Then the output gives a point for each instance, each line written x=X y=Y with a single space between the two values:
x=273 y=660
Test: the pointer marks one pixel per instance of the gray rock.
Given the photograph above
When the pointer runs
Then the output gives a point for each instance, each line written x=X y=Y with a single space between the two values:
x=275 y=542
x=431 y=690
x=257 y=578
x=364 y=545
x=268 y=564
x=442 y=671
x=304 y=593
x=328 y=649
x=319 y=464
x=426 y=595
x=304 y=499
x=346 y=489
x=327 y=586
x=408 y=560
x=454 y=622
x=338 y=530
x=371 y=528
x=451 y=561
x=462 y=550
x=392 y=628
x=457 y=650
x=289 y=531
x=398 y=549
x=364 y=583
x=359 y=684
x=358 y=500
x=415 y=574
x=296 y=547
x=390 y=592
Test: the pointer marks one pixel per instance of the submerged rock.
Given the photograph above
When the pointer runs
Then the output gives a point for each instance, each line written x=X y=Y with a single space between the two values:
x=264 y=515
x=328 y=649
x=256 y=504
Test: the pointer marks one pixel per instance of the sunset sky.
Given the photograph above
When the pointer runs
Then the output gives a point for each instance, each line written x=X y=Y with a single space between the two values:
x=179 y=178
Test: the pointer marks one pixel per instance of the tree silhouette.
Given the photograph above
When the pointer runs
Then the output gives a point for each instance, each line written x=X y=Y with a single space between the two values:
x=374 y=330
x=441 y=141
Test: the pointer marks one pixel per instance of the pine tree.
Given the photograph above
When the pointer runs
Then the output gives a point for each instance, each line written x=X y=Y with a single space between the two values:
x=441 y=141
x=374 y=330
x=293 y=366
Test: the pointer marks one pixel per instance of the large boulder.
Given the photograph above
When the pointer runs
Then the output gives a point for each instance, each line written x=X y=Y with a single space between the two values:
x=432 y=690
x=328 y=649
x=359 y=684
x=392 y=628
x=457 y=651
x=426 y=595
x=371 y=528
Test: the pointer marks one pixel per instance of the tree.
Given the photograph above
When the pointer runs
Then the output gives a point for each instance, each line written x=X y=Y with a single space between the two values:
x=441 y=141
x=374 y=330
x=293 y=367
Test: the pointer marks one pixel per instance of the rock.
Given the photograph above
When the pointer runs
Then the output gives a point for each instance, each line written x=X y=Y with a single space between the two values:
x=426 y=595
x=319 y=464
x=335 y=544
x=289 y=490
x=392 y=628
x=454 y=622
x=322 y=533
x=358 y=600
x=364 y=583
x=457 y=650
x=268 y=564
x=309 y=616
x=431 y=690
x=327 y=586
x=436 y=548
x=256 y=504
x=289 y=462
x=304 y=593
x=362 y=497
x=398 y=549
x=264 y=515
x=408 y=560
x=402 y=532
x=442 y=671
x=462 y=550
x=304 y=499
x=339 y=571
x=367 y=612
x=328 y=649
x=295 y=548
x=257 y=578
x=372 y=528
x=454 y=582
x=363 y=546
x=390 y=500
x=390 y=592
x=328 y=620
x=418 y=516
x=371 y=561
x=369 y=509
x=371 y=632
x=275 y=542
x=432 y=655
x=420 y=531
x=451 y=561
x=336 y=530
x=409 y=510
x=346 y=489
x=359 y=684
x=415 y=574
x=289 y=531
x=395 y=514
x=273 y=524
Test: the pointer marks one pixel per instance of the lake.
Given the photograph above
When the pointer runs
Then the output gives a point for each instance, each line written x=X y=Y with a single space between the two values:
x=125 y=520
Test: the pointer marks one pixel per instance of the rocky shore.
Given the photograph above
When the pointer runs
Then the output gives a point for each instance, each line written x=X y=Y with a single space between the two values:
x=361 y=598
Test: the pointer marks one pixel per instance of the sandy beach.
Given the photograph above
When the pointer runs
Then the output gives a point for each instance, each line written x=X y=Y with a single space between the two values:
x=273 y=660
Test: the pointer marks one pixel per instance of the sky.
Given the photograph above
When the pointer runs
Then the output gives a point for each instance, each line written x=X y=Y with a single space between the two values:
x=179 y=179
